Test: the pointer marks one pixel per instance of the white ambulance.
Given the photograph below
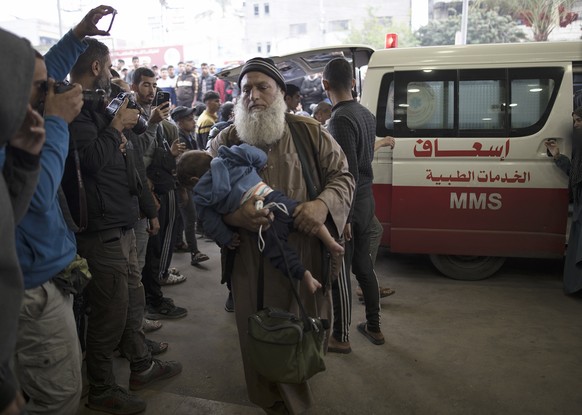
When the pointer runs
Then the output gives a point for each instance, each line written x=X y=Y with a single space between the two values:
x=469 y=181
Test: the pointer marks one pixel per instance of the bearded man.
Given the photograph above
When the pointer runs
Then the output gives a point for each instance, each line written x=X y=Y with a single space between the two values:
x=260 y=120
x=116 y=295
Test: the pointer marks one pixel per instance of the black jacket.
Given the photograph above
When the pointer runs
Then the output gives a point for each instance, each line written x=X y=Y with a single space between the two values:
x=110 y=201
x=162 y=169
x=147 y=204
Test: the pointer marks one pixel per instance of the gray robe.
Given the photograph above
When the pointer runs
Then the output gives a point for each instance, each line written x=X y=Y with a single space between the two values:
x=283 y=172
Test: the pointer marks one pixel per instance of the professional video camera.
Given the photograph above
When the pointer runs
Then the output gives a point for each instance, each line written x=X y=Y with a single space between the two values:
x=97 y=101
x=115 y=104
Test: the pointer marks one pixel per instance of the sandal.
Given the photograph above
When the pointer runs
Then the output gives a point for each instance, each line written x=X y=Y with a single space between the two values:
x=384 y=292
x=199 y=257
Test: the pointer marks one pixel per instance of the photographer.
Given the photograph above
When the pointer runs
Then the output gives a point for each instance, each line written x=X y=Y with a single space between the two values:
x=116 y=296
x=21 y=139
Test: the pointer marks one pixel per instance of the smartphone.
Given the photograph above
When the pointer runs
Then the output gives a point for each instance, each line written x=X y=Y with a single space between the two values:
x=161 y=98
x=107 y=21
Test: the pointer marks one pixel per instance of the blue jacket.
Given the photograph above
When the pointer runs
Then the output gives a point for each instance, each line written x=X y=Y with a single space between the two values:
x=44 y=242
x=221 y=189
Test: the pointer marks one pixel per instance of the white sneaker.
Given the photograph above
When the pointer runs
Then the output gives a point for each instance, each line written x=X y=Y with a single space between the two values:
x=173 y=279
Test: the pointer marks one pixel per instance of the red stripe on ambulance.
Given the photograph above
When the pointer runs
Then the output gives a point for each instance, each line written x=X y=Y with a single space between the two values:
x=473 y=221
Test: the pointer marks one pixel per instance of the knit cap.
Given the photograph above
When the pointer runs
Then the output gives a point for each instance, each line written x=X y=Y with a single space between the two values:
x=263 y=65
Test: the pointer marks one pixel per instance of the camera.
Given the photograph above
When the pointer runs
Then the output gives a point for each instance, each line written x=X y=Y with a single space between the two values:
x=115 y=104
x=92 y=100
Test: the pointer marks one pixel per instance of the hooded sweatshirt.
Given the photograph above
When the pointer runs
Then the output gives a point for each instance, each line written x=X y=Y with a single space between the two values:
x=44 y=242
x=17 y=184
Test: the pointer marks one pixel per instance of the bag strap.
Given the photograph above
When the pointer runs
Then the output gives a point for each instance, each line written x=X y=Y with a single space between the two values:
x=307 y=324
x=312 y=191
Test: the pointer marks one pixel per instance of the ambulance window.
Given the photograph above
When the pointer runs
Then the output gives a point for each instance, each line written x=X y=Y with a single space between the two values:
x=529 y=100
x=481 y=104
x=532 y=94
x=424 y=103
x=482 y=97
x=429 y=105
x=389 y=119
x=385 y=109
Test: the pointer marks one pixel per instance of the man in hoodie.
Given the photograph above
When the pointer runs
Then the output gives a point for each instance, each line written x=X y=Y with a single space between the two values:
x=21 y=139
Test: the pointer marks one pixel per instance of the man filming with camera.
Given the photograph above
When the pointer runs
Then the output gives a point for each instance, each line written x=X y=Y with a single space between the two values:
x=116 y=295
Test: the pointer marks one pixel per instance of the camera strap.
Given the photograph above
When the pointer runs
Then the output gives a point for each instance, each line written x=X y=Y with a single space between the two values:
x=83 y=215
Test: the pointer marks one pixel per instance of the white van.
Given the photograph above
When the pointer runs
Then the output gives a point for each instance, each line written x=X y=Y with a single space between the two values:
x=469 y=181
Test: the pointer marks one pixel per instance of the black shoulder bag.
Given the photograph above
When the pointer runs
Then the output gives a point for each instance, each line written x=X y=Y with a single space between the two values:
x=285 y=348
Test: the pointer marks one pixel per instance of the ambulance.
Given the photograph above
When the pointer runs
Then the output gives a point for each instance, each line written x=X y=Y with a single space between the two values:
x=469 y=182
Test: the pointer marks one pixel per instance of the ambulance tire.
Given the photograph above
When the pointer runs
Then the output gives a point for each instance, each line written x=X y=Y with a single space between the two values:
x=467 y=267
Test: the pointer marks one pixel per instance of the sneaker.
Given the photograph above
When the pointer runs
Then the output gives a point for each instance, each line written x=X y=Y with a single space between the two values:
x=165 y=310
x=156 y=348
x=229 y=305
x=335 y=346
x=198 y=257
x=173 y=279
x=158 y=370
x=375 y=337
x=151 y=325
x=116 y=400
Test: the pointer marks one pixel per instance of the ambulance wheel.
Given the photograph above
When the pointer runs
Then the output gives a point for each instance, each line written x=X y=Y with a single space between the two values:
x=467 y=267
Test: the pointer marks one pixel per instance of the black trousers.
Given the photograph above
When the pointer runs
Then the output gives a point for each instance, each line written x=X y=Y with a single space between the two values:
x=358 y=261
x=160 y=249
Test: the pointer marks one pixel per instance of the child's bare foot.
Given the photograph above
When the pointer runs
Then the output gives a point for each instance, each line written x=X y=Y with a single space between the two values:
x=335 y=249
x=312 y=283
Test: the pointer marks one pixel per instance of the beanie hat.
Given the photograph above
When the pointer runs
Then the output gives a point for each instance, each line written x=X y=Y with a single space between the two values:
x=266 y=66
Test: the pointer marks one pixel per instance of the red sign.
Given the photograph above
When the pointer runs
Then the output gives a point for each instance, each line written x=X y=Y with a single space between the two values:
x=156 y=55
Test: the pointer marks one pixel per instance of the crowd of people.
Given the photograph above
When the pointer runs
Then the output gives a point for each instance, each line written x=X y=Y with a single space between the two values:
x=105 y=181
x=102 y=183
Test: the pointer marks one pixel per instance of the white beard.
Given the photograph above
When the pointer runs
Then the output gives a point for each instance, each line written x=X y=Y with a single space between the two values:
x=260 y=128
